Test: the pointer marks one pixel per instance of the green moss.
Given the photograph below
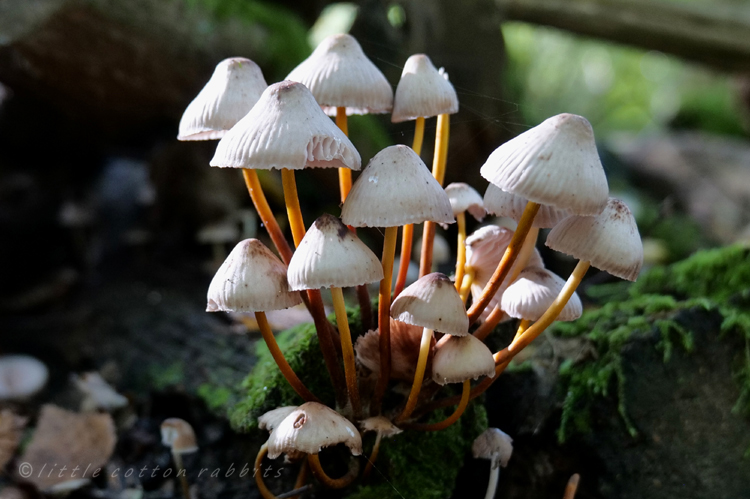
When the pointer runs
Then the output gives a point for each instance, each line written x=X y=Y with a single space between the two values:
x=215 y=398
x=424 y=464
x=162 y=377
x=716 y=279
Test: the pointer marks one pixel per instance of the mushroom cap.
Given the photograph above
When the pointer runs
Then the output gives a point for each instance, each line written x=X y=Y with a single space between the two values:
x=610 y=240
x=232 y=91
x=99 y=394
x=494 y=445
x=21 y=376
x=422 y=91
x=432 y=302
x=339 y=74
x=286 y=129
x=272 y=418
x=332 y=255
x=464 y=197
x=555 y=163
x=486 y=247
x=507 y=204
x=178 y=435
x=381 y=424
x=405 y=341
x=395 y=189
x=532 y=294
x=311 y=427
x=461 y=358
x=251 y=279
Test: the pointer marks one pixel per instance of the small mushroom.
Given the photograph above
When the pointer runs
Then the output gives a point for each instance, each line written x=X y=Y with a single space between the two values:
x=21 y=377
x=496 y=446
x=463 y=198
x=178 y=435
x=383 y=428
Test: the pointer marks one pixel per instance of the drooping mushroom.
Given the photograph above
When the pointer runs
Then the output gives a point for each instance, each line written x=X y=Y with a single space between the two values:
x=252 y=279
x=555 y=163
x=394 y=189
x=497 y=446
x=422 y=92
x=434 y=304
x=178 y=435
x=383 y=428
x=330 y=255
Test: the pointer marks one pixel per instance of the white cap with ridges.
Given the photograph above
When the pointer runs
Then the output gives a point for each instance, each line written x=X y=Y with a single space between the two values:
x=422 y=91
x=532 y=294
x=434 y=303
x=461 y=358
x=507 y=204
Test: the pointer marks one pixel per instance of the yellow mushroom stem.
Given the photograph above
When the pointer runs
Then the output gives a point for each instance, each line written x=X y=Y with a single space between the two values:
x=468 y=280
x=258 y=472
x=345 y=174
x=407 y=233
x=266 y=215
x=278 y=356
x=332 y=483
x=373 y=456
x=384 y=319
x=182 y=474
x=424 y=354
x=439 y=161
x=323 y=329
x=462 y=404
x=350 y=369
x=572 y=486
x=489 y=323
x=506 y=262
x=521 y=341
x=461 y=250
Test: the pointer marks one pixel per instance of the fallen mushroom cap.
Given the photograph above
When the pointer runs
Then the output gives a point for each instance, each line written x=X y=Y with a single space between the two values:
x=461 y=358
x=464 y=197
x=422 y=91
x=507 y=204
x=395 y=189
x=555 y=163
x=286 y=129
x=332 y=255
x=339 y=74
x=610 y=241
x=494 y=445
x=434 y=303
x=232 y=91
x=311 y=427
x=532 y=294
x=272 y=418
x=380 y=424
x=405 y=340
x=178 y=435
x=251 y=279
x=21 y=376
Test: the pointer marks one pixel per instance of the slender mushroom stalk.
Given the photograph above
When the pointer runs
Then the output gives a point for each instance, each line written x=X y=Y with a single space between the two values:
x=572 y=486
x=441 y=425
x=432 y=302
x=262 y=488
x=393 y=190
x=463 y=198
x=496 y=446
x=383 y=428
x=466 y=282
x=333 y=483
x=331 y=255
x=253 y=279
x=178 y=435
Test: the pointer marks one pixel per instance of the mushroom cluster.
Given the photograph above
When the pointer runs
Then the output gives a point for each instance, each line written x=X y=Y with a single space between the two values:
x=548 y=177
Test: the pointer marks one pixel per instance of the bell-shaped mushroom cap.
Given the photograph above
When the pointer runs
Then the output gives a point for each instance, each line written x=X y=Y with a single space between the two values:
x=405 y=340
x=422 y=91
x=332 y=255
x=554 y=163
x=339 y=74
x=286 y=129
x=272 y=418
x=251 y=279
x=381 y=425
x=533 y=292
x=178 y=435
x=610 y=241
x=21 y=376
x=464 y=197
x=494 y=445
x=461 y=358
x=507 y=204
x=434 y=303
x=311 y=427
x=229 y=95
x=395 y=189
